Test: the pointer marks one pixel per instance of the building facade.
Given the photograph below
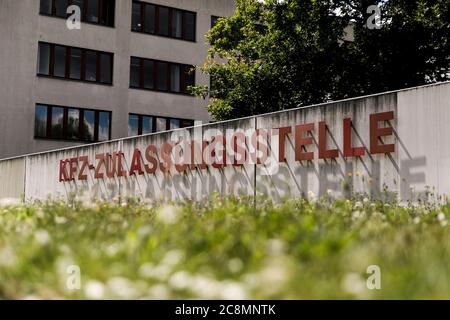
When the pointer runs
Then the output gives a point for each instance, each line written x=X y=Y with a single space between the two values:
x=126 y=72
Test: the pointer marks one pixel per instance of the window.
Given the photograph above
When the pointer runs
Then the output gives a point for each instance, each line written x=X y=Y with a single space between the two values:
x=44 y=59
x=148 y=74
x=46 y=6
x=93 y=11
x=177 y=23
x=161 y=75
x=174 y=124
x=91 y=66
x=147 y=124
x=89 y=125
x=175 y=78
x=163 y=21
x=143 y=124
x=190 y=26
x=133 y=125
x=104 y=125
x=60 y=9
x=60 y=62
x=161 y=124
x=40 y=121
x=74 y=63
x=150 y=18
x=105 y=68
x=57 y=122
x=73 y=124
x=135 y=73
x=136 y=17
x=92 y=14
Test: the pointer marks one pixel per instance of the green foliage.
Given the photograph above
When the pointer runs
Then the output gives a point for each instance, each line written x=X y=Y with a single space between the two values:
x=225 y=248
x=276 y=55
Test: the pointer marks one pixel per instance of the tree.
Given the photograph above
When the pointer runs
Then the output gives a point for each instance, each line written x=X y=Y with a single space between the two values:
x=276 y=55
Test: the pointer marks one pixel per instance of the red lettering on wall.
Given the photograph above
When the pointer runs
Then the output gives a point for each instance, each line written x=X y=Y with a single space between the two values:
x=136 y=163
x=283 y=132
x=349 y=150
x=376 y=133
x=323 y=152
x=301 y=142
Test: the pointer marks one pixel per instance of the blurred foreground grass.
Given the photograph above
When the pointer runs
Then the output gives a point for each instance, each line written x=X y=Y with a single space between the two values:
x=225 y=249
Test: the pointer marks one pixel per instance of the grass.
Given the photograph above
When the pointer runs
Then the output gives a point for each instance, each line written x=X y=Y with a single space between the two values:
x=224 y=249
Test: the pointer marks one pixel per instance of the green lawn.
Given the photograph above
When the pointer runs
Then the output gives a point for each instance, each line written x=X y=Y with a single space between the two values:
x=225 y=249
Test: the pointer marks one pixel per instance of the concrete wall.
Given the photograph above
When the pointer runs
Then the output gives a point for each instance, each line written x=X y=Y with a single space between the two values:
x=418 y=169
x=22 y=28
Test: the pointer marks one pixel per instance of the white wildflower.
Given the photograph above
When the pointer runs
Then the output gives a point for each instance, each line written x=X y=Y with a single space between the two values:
x=416 y=220
x=42 y=237
x=168 y=214
x=311 y=195
x=353 y=283
x=180 y=280
x=60 y=220
x=7 y=257
x=233 y=291
x=94 y=290
x=441 y=216
x=7 y=202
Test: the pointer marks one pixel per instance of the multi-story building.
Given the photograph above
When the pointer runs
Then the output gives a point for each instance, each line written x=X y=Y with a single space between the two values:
x=125 y=72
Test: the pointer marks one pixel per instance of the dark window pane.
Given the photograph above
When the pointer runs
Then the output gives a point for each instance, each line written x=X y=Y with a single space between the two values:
x=150 y=18
x=80 y=4
x=91 y=66
x=177 y=23
x=106 y=66
x=189 y=78
x=164 y=21
x=190 y=26
x=40 y=122
x=135 y=73
x=148 y=74
x=175 y=78
x=214 y=21
x=75 y=64
x=89 y=125
x=57 y=122
x=162 y=75
x=104 y=125
x=108 y=12
x=60 y=62
x=161 y=124
x=187 y=123
x=46 y=7
x=44 y=59
x=61 y=7
x=133 y=125
x=147 y=125
x=174 y=124
x=92 y=11
x=73 y=124
x=136 y=17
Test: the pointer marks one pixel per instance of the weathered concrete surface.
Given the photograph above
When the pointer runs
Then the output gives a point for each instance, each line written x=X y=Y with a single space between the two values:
x=12 y=179
x=418 y=169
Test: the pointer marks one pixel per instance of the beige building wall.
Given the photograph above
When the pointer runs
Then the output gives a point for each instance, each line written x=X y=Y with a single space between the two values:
x=22 y=27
